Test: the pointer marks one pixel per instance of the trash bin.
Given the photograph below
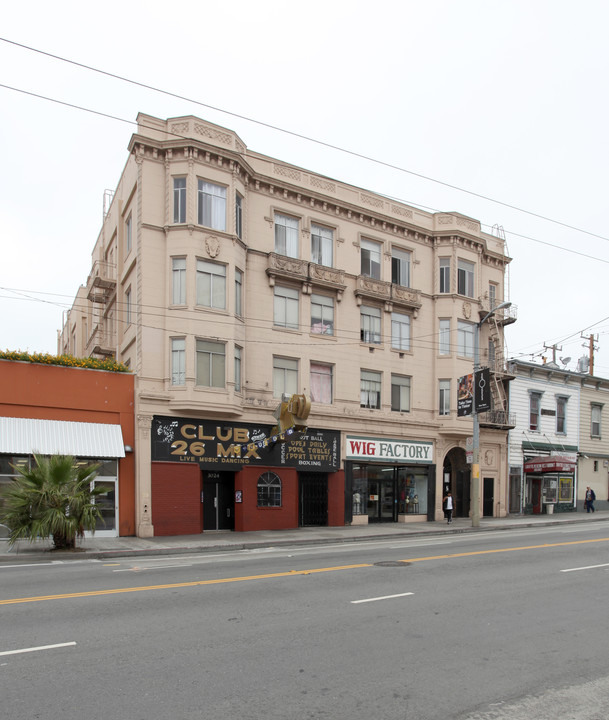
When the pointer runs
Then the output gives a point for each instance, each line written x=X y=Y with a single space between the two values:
x=549 y=509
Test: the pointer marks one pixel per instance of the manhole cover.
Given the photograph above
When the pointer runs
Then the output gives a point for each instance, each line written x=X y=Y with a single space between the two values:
x=392 y=563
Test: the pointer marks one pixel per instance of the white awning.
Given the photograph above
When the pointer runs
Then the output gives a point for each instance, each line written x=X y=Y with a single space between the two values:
x=26 y=436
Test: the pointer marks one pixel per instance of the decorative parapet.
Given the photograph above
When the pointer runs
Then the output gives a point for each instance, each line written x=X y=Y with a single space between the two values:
x=367 y=287
x=406 y=297
x=327 y=277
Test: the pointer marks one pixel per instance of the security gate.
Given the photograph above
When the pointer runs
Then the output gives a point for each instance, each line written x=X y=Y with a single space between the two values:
x=312 y=499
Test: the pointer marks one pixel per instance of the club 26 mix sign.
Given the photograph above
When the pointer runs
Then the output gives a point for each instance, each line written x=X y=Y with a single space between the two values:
x=222 y=446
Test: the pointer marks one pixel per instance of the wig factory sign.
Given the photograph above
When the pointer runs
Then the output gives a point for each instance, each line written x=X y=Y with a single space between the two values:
x=222 y=446
x=407 y=452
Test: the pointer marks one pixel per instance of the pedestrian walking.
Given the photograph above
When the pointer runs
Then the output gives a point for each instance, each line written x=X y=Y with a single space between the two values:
x=448 y=507
x=590 y=498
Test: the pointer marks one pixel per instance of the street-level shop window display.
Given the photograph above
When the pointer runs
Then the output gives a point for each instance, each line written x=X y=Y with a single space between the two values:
x=269 y=490
x=565 y=492
x=412 y=491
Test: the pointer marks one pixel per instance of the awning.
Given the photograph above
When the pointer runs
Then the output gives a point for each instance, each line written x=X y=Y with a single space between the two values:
x=26 y=436
x=549 y=463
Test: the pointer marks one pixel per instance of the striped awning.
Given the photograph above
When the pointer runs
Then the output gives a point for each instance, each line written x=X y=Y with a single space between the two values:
x=26 y=436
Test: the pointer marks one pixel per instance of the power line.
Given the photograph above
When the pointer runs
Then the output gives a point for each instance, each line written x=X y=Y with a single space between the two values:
x=300 y=136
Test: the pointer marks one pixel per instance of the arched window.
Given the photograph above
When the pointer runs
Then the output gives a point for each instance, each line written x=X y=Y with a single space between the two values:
x=269 y=490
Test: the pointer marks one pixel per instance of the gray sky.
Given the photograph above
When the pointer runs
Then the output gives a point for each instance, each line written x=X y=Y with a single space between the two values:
x=504 y=99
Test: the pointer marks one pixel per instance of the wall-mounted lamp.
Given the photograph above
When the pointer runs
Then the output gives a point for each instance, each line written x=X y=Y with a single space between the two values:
x=128 y=448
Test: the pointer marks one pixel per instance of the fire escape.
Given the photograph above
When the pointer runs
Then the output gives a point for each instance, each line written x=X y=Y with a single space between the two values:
x=493 y=357
x=101 y=292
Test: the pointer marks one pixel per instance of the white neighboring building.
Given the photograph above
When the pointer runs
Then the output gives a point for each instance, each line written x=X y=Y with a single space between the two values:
x=544 y=444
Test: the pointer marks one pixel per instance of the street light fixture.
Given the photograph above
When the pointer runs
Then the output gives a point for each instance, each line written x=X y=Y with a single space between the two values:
x=476 y=448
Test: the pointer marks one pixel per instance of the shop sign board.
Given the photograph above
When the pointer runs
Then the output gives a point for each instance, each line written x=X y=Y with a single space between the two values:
x=406 y=452
x=230 y=446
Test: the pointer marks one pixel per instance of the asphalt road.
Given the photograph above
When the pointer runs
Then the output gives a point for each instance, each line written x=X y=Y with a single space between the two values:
x=509 y=625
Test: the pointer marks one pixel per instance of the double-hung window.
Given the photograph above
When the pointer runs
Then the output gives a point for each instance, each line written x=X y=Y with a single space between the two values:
x=212 y=205
x=178 y=361
x=400 y=393
x=465 y=278
x=444 y=275
x=444 y=397
x=238 y=292
x=285 y=309
x=371 y=259
x=321 y=383
x=561 y=414
x=444 y=337
x=595 y=420
x=239 y=216
x=237 y=378
x=285 y=376
x=286 y=235
x=322 y=240
x=128 y=306
x=322 y=315
x=465 y=339
x=179 y=200
x=370 y=389
x=211 y=284
x=211 y=361
x=534 y=410
x=400 y=331
x=128 y=234
x=178 y=281
x=400 y=267
x=370 y=325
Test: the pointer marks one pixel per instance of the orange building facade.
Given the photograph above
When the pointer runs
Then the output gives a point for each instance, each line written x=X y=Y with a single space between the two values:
x=87 y=413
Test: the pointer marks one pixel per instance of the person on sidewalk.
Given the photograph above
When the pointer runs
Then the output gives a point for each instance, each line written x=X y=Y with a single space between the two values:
x=590 y=498
x=448 y=507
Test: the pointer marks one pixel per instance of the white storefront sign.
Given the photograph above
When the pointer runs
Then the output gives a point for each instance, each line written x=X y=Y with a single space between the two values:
x=402 y=451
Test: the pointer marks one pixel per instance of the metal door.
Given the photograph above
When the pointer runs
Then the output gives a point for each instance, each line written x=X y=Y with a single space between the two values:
x=218 y=501
x=312 y=499
x=488 y=497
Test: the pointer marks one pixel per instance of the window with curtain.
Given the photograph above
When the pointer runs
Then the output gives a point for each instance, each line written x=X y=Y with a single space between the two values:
x=178 y=361
x=465 y=278
x=179 y=200
x=285 y=307
x=212 y=205
x=534 y=410
x=178 y=281
x=286 y=235
x=400 y=331
x=322 y=240
x=400 y=267
x=444 y=275
x=370 y=389
x=211 y=284
x=211 y=361
x=285 y=376
x=444 y=397
x=238 y=216
x=400 y=393
x=561 y=415
x=595 y=420
x=238 y=292
x=465 y=339
x=322 y=315
x=370 y=259
x=321 y=383
x=370 y=325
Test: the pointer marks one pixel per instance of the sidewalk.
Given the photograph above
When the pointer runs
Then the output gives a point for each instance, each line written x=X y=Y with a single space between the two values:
x=222 y=541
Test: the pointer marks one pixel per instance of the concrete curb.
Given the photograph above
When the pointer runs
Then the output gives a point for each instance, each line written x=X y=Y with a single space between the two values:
x=49 y=555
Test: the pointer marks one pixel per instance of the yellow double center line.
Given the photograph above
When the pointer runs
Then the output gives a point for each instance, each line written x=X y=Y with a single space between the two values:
x=290 y=573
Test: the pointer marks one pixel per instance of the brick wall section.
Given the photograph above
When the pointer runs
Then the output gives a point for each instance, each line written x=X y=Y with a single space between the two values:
x=336 y=498
x=248 y=516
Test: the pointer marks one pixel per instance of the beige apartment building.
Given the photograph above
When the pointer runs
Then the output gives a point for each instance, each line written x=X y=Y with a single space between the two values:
x=226 y=279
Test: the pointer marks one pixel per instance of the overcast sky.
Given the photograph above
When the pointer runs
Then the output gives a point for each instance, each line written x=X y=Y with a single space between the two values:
x=507 y=100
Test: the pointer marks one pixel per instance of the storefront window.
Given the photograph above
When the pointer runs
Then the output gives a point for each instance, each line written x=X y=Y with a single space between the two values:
x=384 y=491
x=412 y=490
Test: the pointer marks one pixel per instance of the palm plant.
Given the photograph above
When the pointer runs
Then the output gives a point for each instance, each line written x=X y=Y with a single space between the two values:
x=54 y=497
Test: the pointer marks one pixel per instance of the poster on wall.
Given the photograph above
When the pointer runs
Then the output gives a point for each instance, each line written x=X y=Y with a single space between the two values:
x=230 y=446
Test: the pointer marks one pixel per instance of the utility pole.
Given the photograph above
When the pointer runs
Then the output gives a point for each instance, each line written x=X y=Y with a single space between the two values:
x=591 y=348
x=554 y=348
